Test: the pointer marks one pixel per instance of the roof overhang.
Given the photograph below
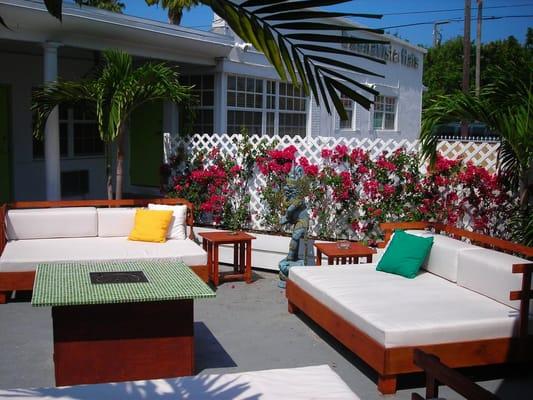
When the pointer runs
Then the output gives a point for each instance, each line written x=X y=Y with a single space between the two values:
x=94 y=29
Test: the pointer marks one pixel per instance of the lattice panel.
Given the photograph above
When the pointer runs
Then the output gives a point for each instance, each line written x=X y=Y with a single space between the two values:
x=480 y=153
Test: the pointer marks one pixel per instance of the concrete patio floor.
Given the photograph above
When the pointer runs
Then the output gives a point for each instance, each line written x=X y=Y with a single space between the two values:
x=247 y=327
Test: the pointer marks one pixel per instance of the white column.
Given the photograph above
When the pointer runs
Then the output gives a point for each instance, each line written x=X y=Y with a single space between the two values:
x=52 y=154
x=220 y=111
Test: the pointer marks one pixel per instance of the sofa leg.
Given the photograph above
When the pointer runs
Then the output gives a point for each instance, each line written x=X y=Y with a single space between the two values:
x=4 y=296
x=292 y=308
x=387 y=384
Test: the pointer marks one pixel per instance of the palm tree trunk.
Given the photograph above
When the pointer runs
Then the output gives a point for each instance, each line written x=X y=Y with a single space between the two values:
x=108 y=176
x=120 y=161
x=174 y=16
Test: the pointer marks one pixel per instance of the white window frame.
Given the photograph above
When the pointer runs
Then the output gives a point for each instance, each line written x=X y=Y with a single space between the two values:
x=353 y=121
x=384 y=112
x=264 y=109
x=201 y=107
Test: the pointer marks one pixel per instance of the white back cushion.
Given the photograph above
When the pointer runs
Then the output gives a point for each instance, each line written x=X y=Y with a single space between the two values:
x=178 y=224
x=443 y=258
x=113 y=222
x=46 y=223
x=489 y=272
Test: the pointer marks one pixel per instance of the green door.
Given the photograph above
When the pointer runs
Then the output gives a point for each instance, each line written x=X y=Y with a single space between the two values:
x=5 y=161
x=146 y=144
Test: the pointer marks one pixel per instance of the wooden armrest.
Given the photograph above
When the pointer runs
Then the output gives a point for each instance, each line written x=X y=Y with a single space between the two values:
x=524 y=295
x=389 y=227
x=438 y=373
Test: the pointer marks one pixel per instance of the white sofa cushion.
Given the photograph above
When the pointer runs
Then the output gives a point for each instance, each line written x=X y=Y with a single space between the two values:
x=443 y=258
x=40 y=223
x=397 y=312
x=178 y=224
x=489 y=272
x=304 y=383
x=24 y=255
x=114 y=222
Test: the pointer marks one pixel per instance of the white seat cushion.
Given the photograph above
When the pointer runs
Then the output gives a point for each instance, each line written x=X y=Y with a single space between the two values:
x=178 y=224
x=24 y=255
x=397 y=312
x=115 y=222
x=305 y=383
x=41 y=223
x=489 y=272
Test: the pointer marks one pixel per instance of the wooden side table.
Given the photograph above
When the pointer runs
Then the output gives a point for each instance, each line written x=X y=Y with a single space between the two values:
x=349 y=255
x=242 y=255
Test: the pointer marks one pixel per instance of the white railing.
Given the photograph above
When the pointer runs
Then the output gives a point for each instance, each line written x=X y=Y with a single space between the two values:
x=480 y=153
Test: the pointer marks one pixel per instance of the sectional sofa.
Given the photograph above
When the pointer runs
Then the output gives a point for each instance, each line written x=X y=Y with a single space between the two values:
x=469 y=306
x=92 y=230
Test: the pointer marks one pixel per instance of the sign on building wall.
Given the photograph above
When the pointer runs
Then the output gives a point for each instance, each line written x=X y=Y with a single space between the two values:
x=387 y=52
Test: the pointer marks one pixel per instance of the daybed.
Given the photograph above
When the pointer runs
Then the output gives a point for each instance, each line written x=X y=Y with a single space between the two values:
x=459 y=308
x=82 y=230
x=317 y=382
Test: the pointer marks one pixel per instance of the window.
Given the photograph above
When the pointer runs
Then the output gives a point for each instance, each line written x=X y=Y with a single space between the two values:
x=349 y=107
x=77 y=125
x=292 y=100
x=384 y=113
x=265 y=107
x=204 y=90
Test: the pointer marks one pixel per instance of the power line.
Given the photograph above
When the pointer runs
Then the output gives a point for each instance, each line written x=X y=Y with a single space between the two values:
x=457 y=20
x=454 y=9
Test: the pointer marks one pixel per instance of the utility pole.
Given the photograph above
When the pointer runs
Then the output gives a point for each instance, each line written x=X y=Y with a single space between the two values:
x=437 y=36
x=478 y=45
x=466 y=59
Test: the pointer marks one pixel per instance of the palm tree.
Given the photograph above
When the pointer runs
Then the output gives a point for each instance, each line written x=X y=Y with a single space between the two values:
x=115 y=91
x=295 y=46
x=175 y=8
x=505 y=107
x=109 y=5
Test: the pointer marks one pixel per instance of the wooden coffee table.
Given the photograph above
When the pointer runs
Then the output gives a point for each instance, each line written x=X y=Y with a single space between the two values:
x=111 y=332
x=242 y=255
x=337 y=255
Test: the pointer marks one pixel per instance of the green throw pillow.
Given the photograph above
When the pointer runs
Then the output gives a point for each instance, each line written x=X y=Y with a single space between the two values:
x=405 y=255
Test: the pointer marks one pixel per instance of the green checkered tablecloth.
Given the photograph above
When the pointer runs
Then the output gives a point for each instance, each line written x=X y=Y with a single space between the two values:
x=68 y=284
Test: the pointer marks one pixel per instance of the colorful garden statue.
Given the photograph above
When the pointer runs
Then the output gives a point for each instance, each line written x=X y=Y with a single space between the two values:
x=297 y=215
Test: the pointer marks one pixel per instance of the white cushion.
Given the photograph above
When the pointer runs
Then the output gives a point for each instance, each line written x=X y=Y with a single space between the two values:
x=489 y=272
x=24 y=255
x=305 y=383
x=443 y=258
x=113 y=222
x=178 y=224
x=396 y=311
x=43 y=223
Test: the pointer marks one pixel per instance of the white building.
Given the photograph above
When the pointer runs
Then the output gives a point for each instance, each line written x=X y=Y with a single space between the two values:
x=236 y=85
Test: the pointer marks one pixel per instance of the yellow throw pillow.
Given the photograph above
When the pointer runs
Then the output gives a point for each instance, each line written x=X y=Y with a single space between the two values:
x=151 y=225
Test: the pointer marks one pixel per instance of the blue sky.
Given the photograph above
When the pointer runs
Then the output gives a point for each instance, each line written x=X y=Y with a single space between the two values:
x=201 y=17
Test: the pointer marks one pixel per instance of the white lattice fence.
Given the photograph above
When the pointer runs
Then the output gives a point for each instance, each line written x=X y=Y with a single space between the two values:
x=480 y=153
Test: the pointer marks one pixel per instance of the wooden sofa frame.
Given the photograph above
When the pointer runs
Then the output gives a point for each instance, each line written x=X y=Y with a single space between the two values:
x=10 y=281
x=391 y=362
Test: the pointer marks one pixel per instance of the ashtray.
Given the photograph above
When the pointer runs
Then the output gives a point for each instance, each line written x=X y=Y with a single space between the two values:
x=343 y=244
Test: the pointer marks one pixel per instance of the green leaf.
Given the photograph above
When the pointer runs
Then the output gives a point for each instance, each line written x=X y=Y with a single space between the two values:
x=335 y=98
x=301 y=72
x=275 y=53
x=312 y=37
x=297 y=5
x=54 y=7
x=318 y=26
x=287 y=60
x=249 y=30
x=319 y=84
x=348 y=79
x=343 y=65
x=335 y=50
x=257 y=3
x=352 y=94
x=299 y=15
